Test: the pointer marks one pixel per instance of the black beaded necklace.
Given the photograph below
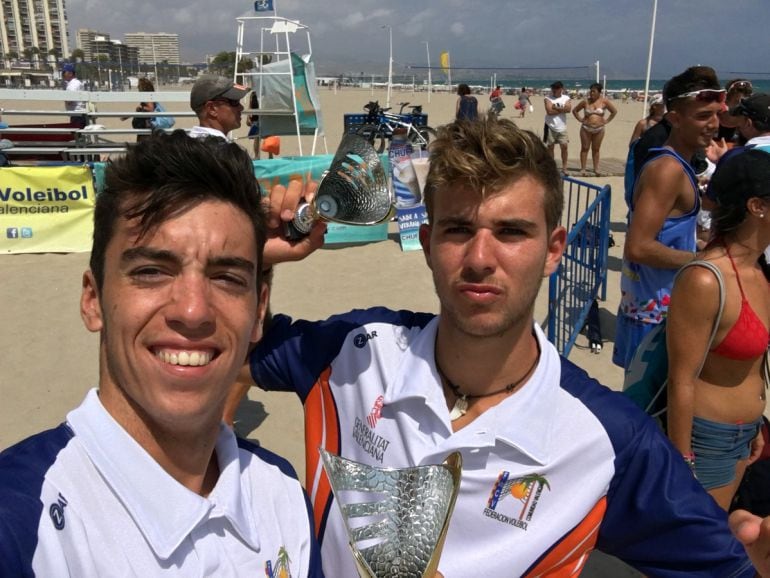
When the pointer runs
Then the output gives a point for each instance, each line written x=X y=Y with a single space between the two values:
x=460 y=407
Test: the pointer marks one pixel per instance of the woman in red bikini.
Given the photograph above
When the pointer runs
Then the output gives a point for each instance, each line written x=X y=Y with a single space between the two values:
x=714 y=415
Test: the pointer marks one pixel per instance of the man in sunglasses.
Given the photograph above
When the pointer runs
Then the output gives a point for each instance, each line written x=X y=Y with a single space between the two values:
x=664 y=208
x=735 y=90
x=216 y=101
x=753 y=119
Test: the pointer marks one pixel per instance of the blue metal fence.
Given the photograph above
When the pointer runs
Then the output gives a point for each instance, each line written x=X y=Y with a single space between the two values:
x=582 y=275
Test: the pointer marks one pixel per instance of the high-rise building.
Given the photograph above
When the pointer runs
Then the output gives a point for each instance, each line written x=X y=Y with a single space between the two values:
x=85 y=39
x=154 y=47
x=34 y=30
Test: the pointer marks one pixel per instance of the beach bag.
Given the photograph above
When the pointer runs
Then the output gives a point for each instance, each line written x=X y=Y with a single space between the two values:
x=531 y=108
x=517 y=106
x=646 y=379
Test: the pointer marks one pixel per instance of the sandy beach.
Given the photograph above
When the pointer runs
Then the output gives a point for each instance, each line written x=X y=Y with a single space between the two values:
x=50 y=361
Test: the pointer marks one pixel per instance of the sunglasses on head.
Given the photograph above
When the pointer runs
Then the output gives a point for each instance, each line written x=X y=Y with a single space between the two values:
x=741 y=85
x=230 y=101
x=704 y=95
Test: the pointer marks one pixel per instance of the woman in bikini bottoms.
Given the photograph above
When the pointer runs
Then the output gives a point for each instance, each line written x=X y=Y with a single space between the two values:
x=714 y=415
x=592 y=123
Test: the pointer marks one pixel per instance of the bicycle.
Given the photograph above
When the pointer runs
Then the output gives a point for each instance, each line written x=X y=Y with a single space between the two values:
x=379 y=126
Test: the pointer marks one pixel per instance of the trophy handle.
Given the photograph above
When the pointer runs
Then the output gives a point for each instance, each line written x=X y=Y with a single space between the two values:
x=453 y=463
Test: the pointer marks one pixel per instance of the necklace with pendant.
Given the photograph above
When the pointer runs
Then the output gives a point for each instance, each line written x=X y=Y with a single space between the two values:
x=460 y=407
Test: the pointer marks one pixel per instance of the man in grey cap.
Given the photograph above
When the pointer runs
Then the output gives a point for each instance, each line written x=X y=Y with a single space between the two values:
x=216 y=101
x=754 y=111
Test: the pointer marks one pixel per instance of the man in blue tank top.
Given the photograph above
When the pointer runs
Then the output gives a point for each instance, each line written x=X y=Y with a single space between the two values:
x=664 y=208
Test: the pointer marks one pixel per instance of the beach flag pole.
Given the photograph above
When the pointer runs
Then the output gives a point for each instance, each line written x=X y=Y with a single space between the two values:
x=427 y=53
x=649 y=59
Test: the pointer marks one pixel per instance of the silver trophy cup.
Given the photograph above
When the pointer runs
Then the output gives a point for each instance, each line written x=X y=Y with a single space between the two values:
x=354 y=191
x=396 y=518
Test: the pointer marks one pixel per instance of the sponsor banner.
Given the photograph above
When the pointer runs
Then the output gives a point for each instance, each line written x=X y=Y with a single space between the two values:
x=270 y=172
x=408 y=172
x=46 y=209
x=409 y=221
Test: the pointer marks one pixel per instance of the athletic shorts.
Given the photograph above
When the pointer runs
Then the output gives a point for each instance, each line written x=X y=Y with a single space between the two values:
x=718 y=447
x=628 y=335
x=556 y=137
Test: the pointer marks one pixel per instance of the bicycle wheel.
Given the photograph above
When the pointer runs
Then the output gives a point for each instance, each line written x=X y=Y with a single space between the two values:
x=373 y=134
x=420 y=136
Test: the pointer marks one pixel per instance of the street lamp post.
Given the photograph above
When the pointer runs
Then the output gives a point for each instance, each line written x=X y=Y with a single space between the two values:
x=390 y=62
x=427 y=53
x=155 y=61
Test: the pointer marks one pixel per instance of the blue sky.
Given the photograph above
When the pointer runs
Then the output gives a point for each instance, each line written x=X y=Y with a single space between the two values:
x=348 y=37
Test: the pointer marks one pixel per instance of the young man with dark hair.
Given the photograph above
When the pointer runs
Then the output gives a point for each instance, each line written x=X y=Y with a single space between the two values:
x=664 y=208
x=554 y=464
x=143 y=479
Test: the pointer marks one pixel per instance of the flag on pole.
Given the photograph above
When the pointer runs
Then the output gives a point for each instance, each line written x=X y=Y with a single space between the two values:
x=263 y=5
x=445 y=61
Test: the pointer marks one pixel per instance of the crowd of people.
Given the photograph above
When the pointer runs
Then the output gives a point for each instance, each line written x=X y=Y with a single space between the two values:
x=144 y=477
x=706 y=154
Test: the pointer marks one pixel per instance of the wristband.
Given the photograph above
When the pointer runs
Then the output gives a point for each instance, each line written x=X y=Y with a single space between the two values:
x=689 y=459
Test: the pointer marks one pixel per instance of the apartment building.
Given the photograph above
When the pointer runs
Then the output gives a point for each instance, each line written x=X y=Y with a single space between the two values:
x=99 y=46
x=34 y=30
x=154 y=47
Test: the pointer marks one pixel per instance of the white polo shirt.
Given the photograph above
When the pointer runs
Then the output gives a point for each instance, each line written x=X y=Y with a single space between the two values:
x=558 y=468
x=202 y=131
x=84 y=499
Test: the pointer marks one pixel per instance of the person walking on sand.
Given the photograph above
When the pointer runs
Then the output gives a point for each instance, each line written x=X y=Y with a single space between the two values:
x=467 y=107
x=496 y=101
x=557 y=105
x=524 y=103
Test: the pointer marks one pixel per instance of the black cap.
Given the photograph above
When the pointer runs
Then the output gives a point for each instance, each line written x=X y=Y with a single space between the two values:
x=756 y=107
x=740 y=175
x=557 y=84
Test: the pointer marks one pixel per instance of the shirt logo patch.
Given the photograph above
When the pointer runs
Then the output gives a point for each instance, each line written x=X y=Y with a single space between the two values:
x=525 y=494
x=281 y=568
x=376 y=413
x=361 y=339
x=373 y=444
x=56 y=511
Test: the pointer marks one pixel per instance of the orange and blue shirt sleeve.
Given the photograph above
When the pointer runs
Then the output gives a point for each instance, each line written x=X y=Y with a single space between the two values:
x=658 y=518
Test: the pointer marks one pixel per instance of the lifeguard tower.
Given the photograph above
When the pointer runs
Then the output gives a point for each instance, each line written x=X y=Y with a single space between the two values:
x=282 y=77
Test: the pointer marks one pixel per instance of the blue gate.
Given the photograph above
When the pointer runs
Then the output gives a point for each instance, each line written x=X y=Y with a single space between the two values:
x=582 y=274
